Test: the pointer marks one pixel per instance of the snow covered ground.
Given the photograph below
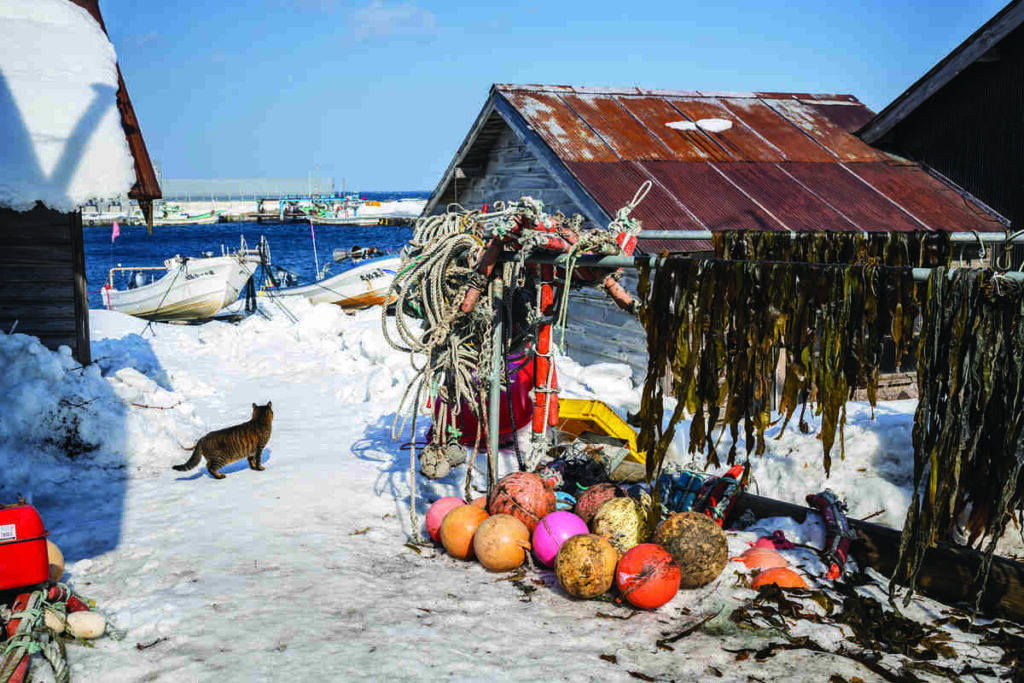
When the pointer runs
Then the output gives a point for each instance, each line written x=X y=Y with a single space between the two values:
x=302 y=570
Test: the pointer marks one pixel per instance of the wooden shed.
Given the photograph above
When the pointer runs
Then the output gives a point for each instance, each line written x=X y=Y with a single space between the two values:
x=964 y=119
x=717 y=161
x=54 y=164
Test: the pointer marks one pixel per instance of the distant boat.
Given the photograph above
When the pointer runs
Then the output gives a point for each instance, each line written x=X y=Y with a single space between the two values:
x=182 y=218
x=189 y=289
x=345 y=220
x=102 y=217
x=362 y=283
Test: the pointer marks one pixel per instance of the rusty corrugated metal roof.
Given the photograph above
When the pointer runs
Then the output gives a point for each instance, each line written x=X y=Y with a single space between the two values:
x=788 y=160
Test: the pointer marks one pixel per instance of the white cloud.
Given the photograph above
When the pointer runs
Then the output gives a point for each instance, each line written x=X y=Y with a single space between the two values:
x=382 y=19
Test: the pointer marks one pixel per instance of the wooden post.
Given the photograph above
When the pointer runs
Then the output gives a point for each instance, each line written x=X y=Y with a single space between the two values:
x=83 y=348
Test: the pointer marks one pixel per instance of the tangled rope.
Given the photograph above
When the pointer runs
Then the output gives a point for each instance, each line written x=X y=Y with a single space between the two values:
x=446 y=271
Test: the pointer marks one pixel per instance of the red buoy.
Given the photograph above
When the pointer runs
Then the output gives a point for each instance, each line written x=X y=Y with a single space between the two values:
x=648 y=576
x=523 y=495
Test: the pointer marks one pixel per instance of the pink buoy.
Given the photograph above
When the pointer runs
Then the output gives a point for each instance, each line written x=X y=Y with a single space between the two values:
x=436 y=513
x=553 y=530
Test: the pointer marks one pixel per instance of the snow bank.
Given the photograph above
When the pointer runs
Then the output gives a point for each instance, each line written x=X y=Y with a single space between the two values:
x=61 y=419
x=399 y=207
x=316 y=542
x=60 y=130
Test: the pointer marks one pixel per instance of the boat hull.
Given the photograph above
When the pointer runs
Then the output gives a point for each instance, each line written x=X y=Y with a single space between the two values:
x=191 y=220
x=363 y=285
x=192 y=289
x=351 y=220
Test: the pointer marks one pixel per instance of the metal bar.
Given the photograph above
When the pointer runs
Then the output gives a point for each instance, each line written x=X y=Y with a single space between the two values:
x=497 y=363
x=612 y=262
x=703 y=235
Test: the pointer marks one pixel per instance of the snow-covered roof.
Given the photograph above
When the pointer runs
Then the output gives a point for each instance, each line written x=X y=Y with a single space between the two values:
x=60 y=129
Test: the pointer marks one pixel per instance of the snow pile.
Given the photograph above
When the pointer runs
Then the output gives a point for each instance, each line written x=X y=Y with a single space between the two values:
x=60 y=130
x=401 y=207
x=61 y=419
x=316 y=543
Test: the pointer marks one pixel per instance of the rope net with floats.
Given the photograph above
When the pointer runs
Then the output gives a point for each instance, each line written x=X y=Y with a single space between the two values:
x=446 y=323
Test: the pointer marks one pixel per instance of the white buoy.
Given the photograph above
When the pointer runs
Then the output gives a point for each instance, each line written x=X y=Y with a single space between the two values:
x=55 y=621
x=86 y=625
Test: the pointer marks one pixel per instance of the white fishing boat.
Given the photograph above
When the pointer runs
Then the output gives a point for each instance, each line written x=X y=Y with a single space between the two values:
x=364 y=282
x=183 y=288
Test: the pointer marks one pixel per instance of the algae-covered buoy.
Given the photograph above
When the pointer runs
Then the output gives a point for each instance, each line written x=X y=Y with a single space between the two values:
x=585 y=565
x=698 y=545
x=523 y=495
x=501 y=543
x=623 y=521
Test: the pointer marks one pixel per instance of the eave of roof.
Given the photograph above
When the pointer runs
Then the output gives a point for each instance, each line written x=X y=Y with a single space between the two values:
x=146 y=186
x=965 y=54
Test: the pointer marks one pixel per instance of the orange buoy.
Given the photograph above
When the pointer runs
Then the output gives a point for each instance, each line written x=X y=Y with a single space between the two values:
x=501 y=543
x=761 y=558
x=480 y=502
x=783 y=577
x=523 y=495
x=458 y=528
x=437 y=512
x=585 y=565
x=648 y=576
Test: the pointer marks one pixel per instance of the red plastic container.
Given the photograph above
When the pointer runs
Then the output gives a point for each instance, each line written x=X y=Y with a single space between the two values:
x=23 y=557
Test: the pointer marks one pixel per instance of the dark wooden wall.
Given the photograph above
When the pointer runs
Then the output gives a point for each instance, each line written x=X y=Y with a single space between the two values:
x=972 y=130
x=42 y=278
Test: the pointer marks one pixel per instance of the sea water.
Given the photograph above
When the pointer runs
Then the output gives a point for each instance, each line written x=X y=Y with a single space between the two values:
x=291 y=245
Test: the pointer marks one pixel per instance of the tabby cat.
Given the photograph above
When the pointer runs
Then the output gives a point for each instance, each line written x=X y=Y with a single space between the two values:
x=225 y=446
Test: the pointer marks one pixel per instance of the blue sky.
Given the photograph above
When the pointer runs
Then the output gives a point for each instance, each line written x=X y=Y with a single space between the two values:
x=382 y=92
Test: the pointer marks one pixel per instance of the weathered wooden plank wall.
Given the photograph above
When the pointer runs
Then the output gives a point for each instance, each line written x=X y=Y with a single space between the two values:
x=597 y=331
x=512 y=171
x=42 y=278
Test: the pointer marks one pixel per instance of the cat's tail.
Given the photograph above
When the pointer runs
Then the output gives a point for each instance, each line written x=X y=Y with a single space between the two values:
x=192 y=462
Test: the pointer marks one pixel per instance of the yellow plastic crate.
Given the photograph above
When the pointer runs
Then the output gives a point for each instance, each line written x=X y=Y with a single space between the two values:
x=577 y=415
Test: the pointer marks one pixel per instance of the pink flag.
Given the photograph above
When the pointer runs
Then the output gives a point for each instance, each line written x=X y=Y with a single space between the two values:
x=115 y=232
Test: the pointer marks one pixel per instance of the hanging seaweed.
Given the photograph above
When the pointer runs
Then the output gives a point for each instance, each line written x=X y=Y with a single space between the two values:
x=969 y=426
x=717 y=327
x=918 y=249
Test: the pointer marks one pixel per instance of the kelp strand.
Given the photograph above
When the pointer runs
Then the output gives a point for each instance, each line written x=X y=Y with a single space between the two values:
x=717 y=327
x=969 y=426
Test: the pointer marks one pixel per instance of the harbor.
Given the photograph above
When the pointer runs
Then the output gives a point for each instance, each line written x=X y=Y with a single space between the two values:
x=695 y=353
x=374 y=208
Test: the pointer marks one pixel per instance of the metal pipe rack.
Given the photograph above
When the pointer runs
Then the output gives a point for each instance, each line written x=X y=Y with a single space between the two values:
x=613 y=262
